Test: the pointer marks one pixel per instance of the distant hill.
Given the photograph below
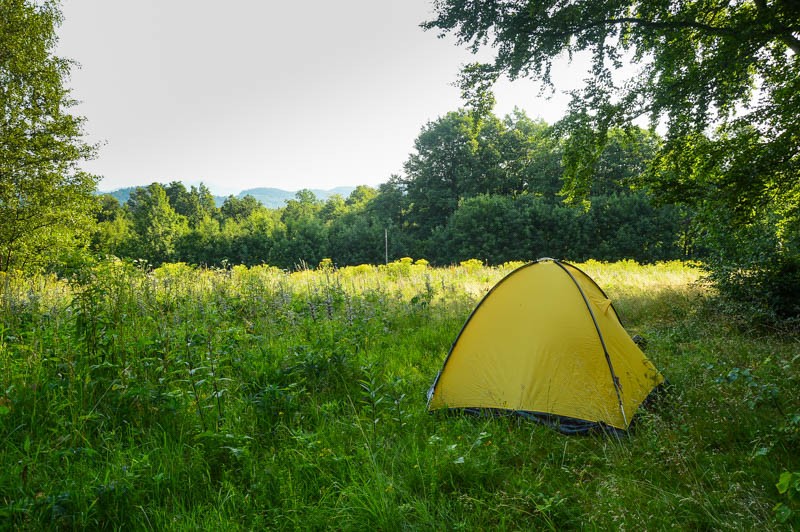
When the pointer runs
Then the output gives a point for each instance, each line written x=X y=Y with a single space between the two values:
x=122 y=194
x=272 y=198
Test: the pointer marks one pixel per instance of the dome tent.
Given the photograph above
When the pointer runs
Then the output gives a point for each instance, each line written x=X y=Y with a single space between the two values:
x=546 y=343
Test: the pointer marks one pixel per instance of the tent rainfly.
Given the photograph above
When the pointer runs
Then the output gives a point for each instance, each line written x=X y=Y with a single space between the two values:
x=546 y=343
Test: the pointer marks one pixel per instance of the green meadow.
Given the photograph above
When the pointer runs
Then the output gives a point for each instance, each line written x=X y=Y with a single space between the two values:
x=251 y=398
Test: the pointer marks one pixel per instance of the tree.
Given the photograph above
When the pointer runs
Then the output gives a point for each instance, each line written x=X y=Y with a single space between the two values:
x=388 y=208
x=443 y=165
x=113 y=228
x=532 y=155
x=700 y=61
x=463 y=155
x=356 y=237
x=238 y=209
x=202 y=243
x=624 y=161
x=178 y=197
x=196 y=204
x=486 y=227
x=333 y=208
x=46 y=201
x=157 y=226
x=305 y=205
x=305 y=240
x=109 y=208
x=361 y=196
x=391 y=202
x=721 y=78
x=261 y=229
x=628 y=226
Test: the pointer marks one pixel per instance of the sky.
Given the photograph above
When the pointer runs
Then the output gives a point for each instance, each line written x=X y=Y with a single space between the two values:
x=265 y=93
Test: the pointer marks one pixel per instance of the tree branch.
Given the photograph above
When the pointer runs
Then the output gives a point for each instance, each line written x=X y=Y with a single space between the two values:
x=783 y=32
x=713 y=30
x=791 y=41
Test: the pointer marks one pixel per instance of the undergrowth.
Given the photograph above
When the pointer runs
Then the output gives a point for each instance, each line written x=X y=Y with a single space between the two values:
x=251 y=398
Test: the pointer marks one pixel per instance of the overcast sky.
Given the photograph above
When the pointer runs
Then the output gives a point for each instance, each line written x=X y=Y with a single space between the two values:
x=248 y=93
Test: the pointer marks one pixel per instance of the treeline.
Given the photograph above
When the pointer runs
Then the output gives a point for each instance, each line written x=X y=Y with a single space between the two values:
x=474 y=187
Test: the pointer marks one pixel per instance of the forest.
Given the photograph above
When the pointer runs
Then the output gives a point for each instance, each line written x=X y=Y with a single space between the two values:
x=486 y=189
x=694 y=158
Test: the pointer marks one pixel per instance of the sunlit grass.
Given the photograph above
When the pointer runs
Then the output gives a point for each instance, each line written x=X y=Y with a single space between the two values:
x=254 y=398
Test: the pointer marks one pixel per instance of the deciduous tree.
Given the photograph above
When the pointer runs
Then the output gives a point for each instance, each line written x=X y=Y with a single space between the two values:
x=46 y=201
x=721 y=78
x=239 y=208
x=156 y=225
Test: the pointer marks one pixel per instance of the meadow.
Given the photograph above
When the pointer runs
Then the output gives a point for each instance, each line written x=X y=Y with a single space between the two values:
x=243 y=398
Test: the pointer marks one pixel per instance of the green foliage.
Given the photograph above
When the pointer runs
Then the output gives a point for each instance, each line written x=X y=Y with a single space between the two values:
x=699 y=61
x=196 y=204
x=755 y=268
x=477 y=186
x=46 y=201
x=114 y=230
x=462 y=155
x=239 y=209
x=618 y=226
x=355 y=237
x=629 y=226
x=156 y=225
x=490 y=188
x=788 y=485
x=721 y=78
x=436 y=176
x=253 y=398
x=498 y=228
x=490 y=227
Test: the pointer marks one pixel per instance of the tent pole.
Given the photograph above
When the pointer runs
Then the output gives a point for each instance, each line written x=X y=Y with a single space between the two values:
x=614 y=379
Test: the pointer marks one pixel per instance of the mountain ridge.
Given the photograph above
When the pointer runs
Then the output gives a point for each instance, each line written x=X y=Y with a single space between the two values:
x=270 y=197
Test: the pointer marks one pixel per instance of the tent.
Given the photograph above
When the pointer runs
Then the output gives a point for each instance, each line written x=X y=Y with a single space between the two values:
x=547 y=343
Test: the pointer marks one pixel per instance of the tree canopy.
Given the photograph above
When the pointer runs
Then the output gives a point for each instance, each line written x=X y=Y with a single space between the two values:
x=720 y=79
x=45 y=199
x=463 y=154
x=725 y=71
x=476 y=186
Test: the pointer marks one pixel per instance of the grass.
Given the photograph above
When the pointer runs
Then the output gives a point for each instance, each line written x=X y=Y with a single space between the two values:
x=247 y=399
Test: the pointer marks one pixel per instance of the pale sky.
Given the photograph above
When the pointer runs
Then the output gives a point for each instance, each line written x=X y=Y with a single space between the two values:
x=247 y=93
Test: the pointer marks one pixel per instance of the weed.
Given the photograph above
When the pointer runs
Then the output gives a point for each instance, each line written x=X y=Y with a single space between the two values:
x=252 y=398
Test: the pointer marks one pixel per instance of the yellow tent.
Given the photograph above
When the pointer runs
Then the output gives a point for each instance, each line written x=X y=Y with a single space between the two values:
x=547 y=343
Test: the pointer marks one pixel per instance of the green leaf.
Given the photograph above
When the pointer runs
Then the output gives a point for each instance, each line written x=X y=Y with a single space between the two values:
x=782 y=512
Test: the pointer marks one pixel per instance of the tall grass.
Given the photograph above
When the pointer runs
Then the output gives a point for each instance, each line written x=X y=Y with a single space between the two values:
x=252 y=398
